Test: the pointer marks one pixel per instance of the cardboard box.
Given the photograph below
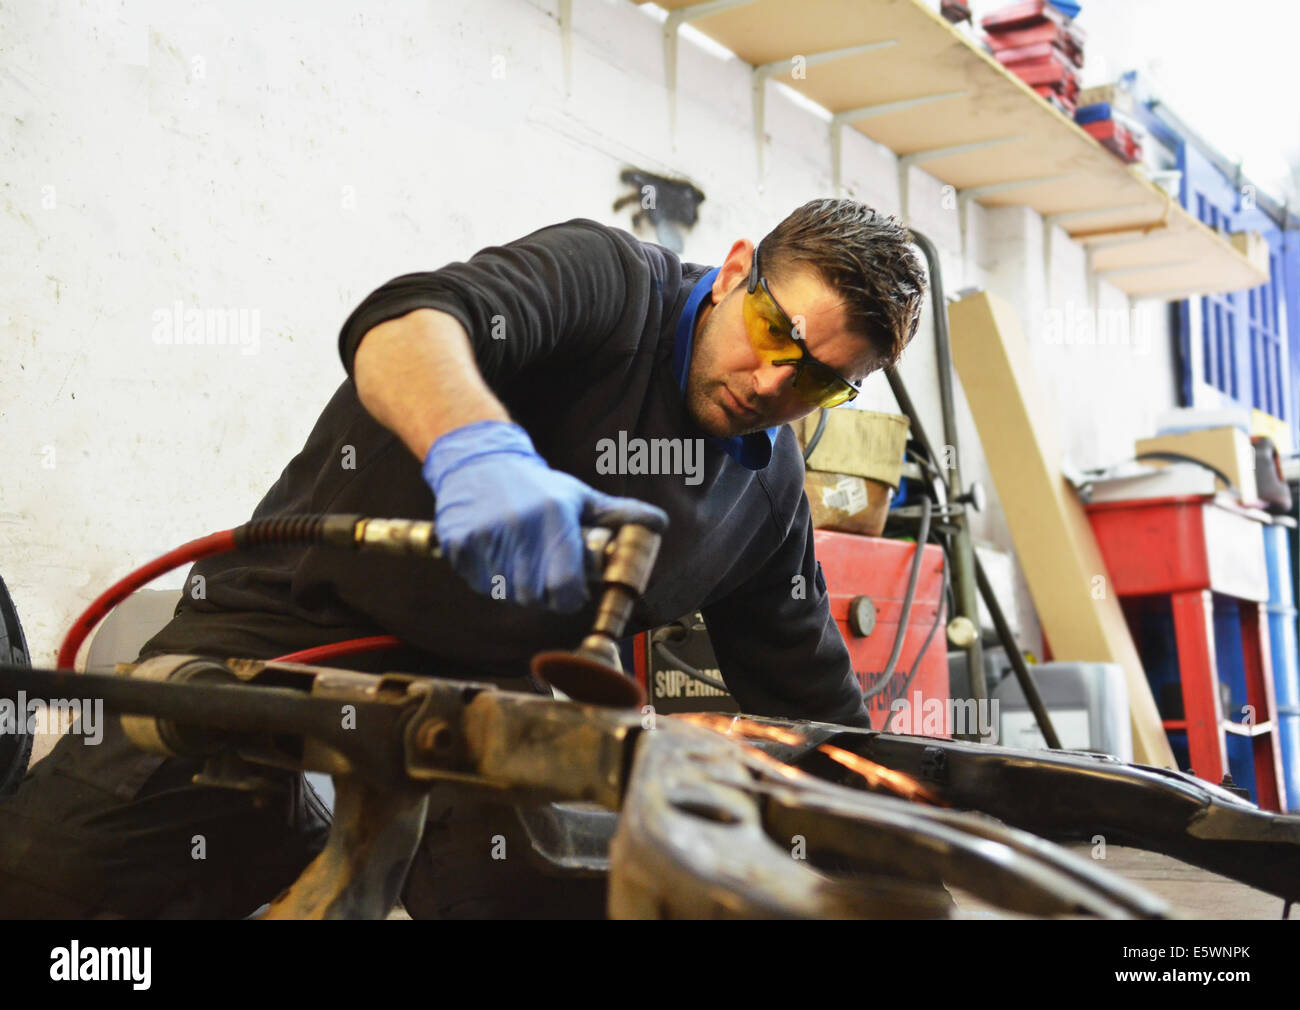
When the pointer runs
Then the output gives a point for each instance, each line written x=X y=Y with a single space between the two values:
x=860 y=443
x=1274 y=427
x=1228 y=449
x=1116 y=96
x=847 y=503
x=1254 y=247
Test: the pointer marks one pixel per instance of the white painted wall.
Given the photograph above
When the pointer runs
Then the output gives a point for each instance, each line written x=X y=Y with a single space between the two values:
x=286 y=158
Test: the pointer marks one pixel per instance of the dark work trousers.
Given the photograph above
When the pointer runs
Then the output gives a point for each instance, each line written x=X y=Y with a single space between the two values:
x=108 y=831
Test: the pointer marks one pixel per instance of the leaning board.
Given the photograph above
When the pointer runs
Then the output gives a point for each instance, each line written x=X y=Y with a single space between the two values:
x=1076 y=603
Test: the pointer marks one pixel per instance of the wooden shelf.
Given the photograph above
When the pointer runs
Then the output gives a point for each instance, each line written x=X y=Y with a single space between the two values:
x=989 y=135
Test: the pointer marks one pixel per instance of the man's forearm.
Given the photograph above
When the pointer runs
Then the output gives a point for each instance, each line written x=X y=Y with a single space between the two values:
x=417 y=376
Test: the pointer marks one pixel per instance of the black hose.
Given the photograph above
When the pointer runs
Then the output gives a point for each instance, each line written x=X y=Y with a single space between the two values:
x=817 y=434
x=1178 y=457
x=676 y=661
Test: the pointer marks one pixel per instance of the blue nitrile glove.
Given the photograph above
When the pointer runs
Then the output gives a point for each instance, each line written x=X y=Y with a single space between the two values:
x=503 y=511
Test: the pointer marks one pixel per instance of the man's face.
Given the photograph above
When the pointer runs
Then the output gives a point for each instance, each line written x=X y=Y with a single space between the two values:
x=729 y=389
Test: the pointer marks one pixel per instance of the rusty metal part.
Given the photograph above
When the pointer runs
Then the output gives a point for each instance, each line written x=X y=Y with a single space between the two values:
x=737 y=725
x=551 y=750
x=1078 y=796
x=359 y=874
x=166 y=736
x=707 y=831
x=707 y=820
x=1065 y=795
x=569 y=838
x=876 y=776
x=880 y=777
x=433 y=736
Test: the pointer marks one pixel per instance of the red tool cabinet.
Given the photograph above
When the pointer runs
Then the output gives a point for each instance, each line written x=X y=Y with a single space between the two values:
x=1187 y=547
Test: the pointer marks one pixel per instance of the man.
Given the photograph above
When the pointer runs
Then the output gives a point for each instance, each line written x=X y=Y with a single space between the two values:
x=501 y=395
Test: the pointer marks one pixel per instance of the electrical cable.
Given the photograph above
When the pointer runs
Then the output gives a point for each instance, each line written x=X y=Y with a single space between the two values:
x=947 y=597
x=934 y=626
x=922 y=538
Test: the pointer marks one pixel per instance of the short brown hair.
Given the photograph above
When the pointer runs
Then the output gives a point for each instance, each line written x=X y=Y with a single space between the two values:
x=865 y=256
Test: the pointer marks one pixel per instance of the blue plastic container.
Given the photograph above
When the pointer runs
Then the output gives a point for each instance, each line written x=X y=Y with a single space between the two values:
x=1285 y=654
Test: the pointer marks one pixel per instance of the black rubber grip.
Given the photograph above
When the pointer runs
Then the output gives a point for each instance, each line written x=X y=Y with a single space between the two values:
x=301 y=529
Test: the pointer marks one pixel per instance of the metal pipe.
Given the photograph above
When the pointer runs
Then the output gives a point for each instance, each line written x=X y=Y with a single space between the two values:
x=963 y=552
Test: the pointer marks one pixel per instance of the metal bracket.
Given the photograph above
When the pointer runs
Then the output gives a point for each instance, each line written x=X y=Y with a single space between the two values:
x=975 y=193
x=764 y=72
x=840 y=120
x=906 y=161
x=671 y=27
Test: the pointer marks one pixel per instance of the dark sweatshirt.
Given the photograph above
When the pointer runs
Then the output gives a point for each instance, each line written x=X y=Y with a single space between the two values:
x=574 y=328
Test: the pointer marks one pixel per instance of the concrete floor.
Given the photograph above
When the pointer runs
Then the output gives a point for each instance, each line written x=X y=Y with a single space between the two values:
x=1192 y=892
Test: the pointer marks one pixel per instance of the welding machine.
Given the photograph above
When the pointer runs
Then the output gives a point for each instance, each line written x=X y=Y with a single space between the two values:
x=867 y=581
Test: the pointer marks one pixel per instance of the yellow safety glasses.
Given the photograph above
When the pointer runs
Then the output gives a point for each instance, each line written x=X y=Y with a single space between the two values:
x=772 y=334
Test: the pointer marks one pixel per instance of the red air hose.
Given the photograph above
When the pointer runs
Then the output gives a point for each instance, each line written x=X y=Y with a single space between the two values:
x=336 y=530
x=215 y=543
x=350 y=647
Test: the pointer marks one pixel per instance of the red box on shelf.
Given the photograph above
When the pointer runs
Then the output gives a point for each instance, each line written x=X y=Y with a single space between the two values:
x=1022 y=15
x=1063 y=103
x=1044 y=71
x=1066 y=36
x=1116 y=138
x=1067 y=87
x=1036 y=51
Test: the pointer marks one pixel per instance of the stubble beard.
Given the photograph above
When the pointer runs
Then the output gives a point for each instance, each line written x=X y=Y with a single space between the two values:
x=704 y=395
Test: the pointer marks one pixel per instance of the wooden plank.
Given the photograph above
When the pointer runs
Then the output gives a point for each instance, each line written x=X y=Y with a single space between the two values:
x=932 y=57
x=1079 y=611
